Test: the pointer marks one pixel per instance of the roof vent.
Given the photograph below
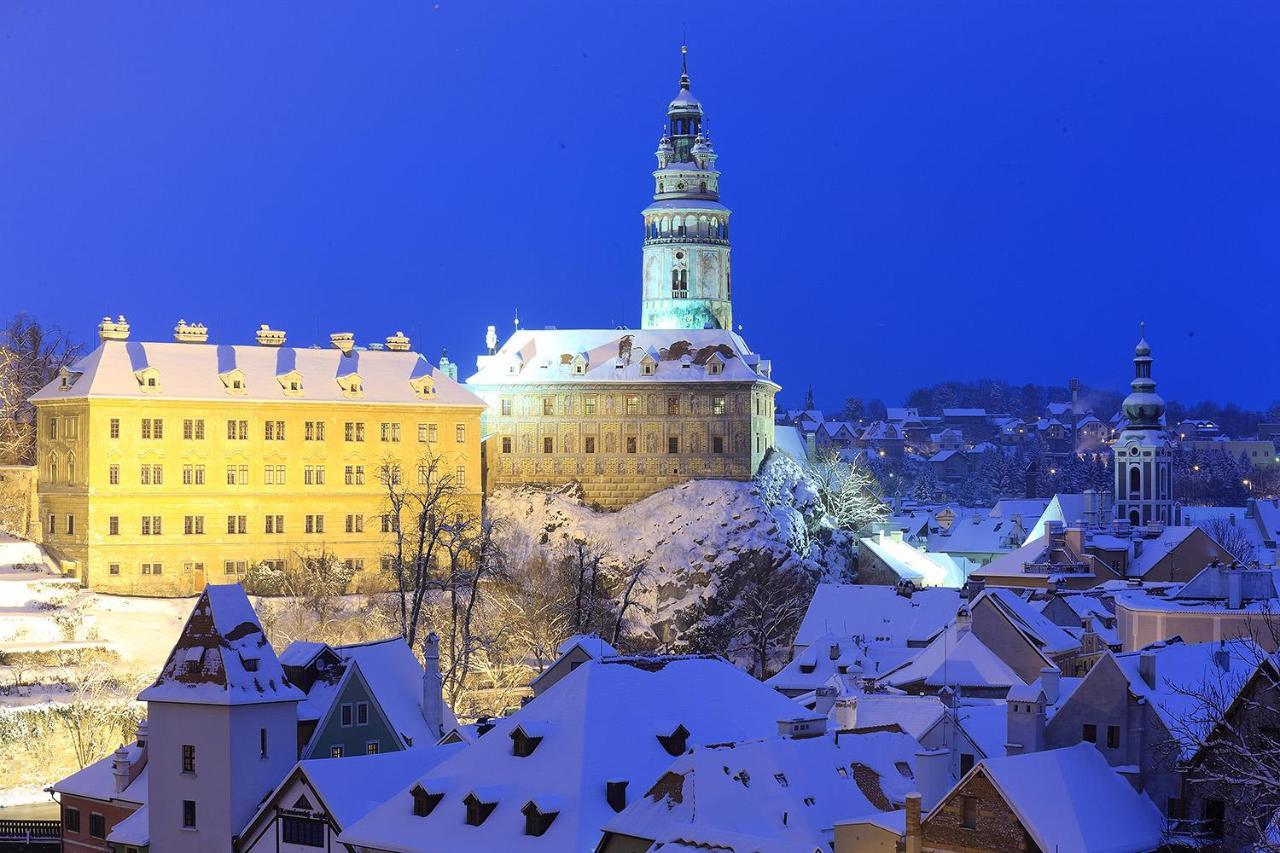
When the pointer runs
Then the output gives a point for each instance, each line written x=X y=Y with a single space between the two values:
x=269 y=337
x=398 y=342
x=345 y=342
x=196 y=333
x=117 y=330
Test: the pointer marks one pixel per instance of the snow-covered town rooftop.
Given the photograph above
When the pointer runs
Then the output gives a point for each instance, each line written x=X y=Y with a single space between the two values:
x=954 y=659
x=222 y=656
x=1049 y=637
x=1071 y=801
x=777 y=791
x=619 y=719
x=621 y=355
x=200 y=371
x=877 y=613
x=97 y=781
x=394 y=675
x=922 y=568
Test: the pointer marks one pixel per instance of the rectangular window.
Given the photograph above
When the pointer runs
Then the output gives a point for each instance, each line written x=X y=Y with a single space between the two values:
x=113 y=525
x=273 y=430
x=71 y=819
x=460 y=433
x=188 y=758
x=240 y=567
x=631 y=444
x=433 y=433
x=335 y=751
x=359 y=475
x=589 y=444
x=353 y=430
x=189 y=814
x=717 y=444
x=506 y=406
x=313 y=431
x=113 y=474
x=237 y=430
x=71 y=525
x=717 y=405
x=237 y=524
x=349 y=475
x=372 y=747
x=151 y=525
x=969 y=812
x=152 y=569
x=189 y=429
x=1089 y=732
x=632 y=404
x=315 y=524
x=113 y=568
x=362 y=713
x=506 y=444
x=346 y=714
x=589 y=405
x=460 y=476
x=97 y=825
x=52 y=527
x=113 y=428
x=673 y=444
x=390 y=432
x=354 y=565
x=1113 y=737
x=146 y=427
x=262 y=743
x=303 y=831
x=193 y=525
x=355 y=523
x=673 y=405
x=548 y=444
x=548 y=405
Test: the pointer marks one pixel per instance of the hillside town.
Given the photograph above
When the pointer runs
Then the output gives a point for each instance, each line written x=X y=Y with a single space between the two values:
x=604 y=592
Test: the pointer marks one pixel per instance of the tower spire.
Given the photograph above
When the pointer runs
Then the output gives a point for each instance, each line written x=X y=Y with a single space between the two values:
x=684 y=66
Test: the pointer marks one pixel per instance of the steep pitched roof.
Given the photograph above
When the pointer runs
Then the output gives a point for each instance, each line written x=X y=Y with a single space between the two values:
x=953 y=660
x=394 y=677
x=222 y=657
x=599 y=723
x=1047 y=636
x=872 y=611
x=920 y=567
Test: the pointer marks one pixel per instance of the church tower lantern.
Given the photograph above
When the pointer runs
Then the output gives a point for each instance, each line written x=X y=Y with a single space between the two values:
x=1143 y=454
x=686 y=228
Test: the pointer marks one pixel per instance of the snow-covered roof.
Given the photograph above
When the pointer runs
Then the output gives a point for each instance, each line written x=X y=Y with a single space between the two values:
x=133 y=831
x=1025 y=508
x=964 y=413
x=189 y=371
x=97 y=781
x=599 y=723
x=394 y=676
x=614 y=355
x=789 y=791
x=789 y=440
x=986 y=723
x=1071 y=801
x=1069 y=509
x=301 y=652
x=222 y=657
x=979 y=534
x=922 y=568
x=877 y=613
x=814 y=666
x=1049 y=637
x=1154 y=548
x=589 y=643
x=915 y=715
x=352 y=787
x=955 y=659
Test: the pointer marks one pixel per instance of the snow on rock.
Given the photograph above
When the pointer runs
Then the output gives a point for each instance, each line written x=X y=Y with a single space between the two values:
x=688 y=535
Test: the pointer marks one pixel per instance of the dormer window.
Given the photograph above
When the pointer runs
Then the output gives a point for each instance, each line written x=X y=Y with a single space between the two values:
x=477 y=810
x=648 y=366
x=536 y=822
x=67 y=378
x=715 y=366
x=423 y=386
x=676 y=743
x=424 y=803
x=250 y=664
x=291 y=382
x=234 y=381
x=522 y=743
x=352 y=385
x=148 y=379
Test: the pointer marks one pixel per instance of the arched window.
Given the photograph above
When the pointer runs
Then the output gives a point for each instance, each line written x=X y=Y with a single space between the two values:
x=661 y=187
x=1135 y=481
x=1164 y=482
x=702 y=186
x=1134 y=518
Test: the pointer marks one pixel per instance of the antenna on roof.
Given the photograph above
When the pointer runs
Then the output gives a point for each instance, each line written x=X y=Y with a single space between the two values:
x=517 y=319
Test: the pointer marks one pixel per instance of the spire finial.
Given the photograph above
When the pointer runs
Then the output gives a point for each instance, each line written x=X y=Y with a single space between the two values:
x=684 y=64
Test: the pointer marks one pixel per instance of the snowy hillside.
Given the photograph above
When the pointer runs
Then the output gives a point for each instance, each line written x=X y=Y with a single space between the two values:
x=689 y=535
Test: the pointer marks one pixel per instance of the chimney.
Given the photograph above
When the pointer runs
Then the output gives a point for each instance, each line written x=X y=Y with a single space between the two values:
x=1137 y=547
x=1147 y=665
x=964 y=622
x=269 y=337
x=1092 y=504
x=491 y=339
x=432 y=686
x=914 y=832
x=1024 y=730
x=398 y=342
x=1235 y=589
x=196 y=333
x=117 y=330
x=344 y=342
x=933 y=775
x=833 y=653
x=120 y=768
x=142 y=732
x=1049 y=682
x=1073 y=538
x=846 y=713
x=1055 y=532
x=615 y=794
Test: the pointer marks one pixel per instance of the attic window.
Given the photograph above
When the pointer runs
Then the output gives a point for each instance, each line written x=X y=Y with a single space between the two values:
x=615 y=793
x=808 y=667
x=523 y=745
x=781 y=779
x=536 y=822
x=424 y=803
x=477 y=810
x=715 y=368
x=250 y=664
x=648 y=368
x=676 y=743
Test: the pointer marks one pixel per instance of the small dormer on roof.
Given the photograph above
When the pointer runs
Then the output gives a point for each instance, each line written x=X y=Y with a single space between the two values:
x=525 y=739
x=148 y=379
x=291 y=382
x=715 y=364
x=269 y=337
x=677 y=742
x=424 y=386
x=398 y=342
x=194 y=333
x=234 y=381
x=352 y=385
x=67 y=377
x=648 y=365
x=579 y=363
x=113 y=330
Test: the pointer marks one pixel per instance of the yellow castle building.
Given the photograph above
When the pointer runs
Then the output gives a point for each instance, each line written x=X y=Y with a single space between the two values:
x=166 y=465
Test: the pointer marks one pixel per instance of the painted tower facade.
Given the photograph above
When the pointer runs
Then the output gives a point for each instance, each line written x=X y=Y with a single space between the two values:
x=1143 y=460
x=686 y=228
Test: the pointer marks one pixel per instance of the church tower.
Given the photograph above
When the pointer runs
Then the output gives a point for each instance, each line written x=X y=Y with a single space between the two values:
x=1143 y=454
x=686 y=228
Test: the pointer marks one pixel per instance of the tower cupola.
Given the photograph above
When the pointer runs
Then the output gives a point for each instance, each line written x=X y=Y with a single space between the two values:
x=1143 y=407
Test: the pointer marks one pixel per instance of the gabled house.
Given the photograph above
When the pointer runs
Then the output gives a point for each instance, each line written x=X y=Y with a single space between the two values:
x=980 y=538
x=832 y=656
x=571 y=654
x=957 y=661
x=1220 y=603
x=885 y=558
x=551 y=775
x=96 y=801
x=877 y=614
x=1021 y=635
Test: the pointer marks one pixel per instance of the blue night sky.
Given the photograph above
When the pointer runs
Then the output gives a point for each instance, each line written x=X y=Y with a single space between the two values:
x=922 y=190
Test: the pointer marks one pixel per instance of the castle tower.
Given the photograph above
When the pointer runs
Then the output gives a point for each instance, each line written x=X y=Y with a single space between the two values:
x=686 y=228
x=1143 y=454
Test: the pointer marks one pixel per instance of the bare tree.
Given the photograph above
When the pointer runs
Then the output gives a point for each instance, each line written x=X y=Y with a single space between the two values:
x=99 y=714
x=528 y=602
x=30 y=358
x=629 y=577
x=1232 y=537
x=474 y=560
x=849 y=494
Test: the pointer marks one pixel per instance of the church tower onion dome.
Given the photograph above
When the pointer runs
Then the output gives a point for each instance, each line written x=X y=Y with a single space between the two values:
x=686 y=280
x=1144 y=408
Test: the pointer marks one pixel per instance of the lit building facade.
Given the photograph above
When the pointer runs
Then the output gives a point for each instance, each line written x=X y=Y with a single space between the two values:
x=625 y=413
x=163 y=466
